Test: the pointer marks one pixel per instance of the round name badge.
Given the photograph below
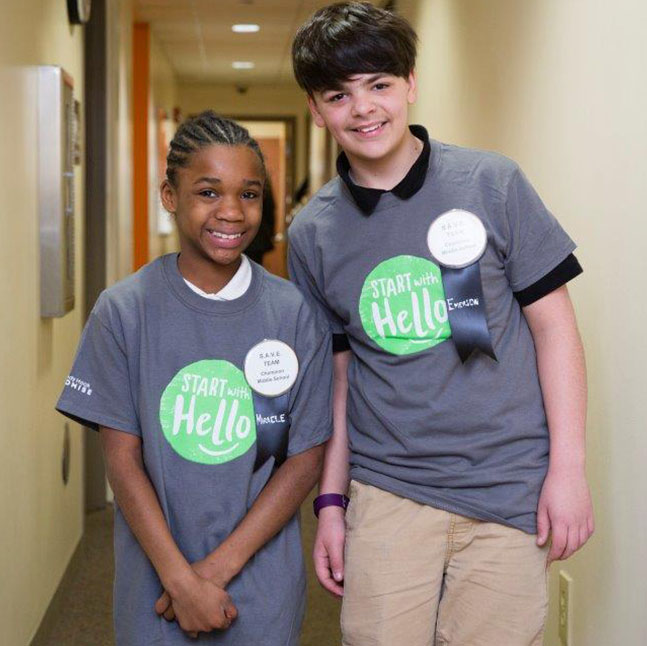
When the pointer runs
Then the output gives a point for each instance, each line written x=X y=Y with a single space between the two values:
x=457 y=239
x=271 y=368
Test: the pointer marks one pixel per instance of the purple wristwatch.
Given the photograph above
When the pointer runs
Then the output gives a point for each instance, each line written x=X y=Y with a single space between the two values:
x=328 y=500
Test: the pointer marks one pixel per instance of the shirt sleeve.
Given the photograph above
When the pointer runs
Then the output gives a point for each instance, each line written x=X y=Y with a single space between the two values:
x=562 y=274
x=310 y=402
x=537 y=243
x=97 y=392
x=304 y=278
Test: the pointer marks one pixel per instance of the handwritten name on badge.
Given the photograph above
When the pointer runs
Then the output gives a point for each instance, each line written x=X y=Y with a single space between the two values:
x=458 y=305
x=271 y=419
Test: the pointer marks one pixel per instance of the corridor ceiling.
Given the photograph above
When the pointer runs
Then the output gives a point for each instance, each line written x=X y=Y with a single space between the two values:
x=196 y=36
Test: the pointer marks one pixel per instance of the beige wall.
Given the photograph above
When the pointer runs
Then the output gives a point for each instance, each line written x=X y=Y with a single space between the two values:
x=562 y=88
x=41 y=518
x=258 y=100
x=119 y=134
x=163 y=95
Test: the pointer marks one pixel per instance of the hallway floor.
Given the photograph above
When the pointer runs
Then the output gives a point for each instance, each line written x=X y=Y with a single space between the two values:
x=87 y=616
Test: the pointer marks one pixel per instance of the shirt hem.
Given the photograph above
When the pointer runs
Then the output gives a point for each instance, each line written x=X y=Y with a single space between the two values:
x=434 y=500
x=316 y=441
x=94 y=420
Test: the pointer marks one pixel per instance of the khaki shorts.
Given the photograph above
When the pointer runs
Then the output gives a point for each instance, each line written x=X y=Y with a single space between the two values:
x=420 y=576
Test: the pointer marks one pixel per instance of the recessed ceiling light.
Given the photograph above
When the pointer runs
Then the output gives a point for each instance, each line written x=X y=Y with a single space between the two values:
x=245 y=28
x=243 y=65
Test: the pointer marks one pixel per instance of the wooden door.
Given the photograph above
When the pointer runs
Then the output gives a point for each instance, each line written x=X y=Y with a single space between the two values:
x=272 y=138
x=273 y=151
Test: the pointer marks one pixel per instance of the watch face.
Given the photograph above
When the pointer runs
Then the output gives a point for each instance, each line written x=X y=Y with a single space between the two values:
x=79 y=11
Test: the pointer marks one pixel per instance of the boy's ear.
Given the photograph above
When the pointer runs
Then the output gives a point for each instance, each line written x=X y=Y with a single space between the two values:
x=314 y=111
x=168 y=197
x=412 y=82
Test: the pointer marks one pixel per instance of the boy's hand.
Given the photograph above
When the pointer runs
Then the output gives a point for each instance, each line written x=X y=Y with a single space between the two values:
x=199 y=606
x=328 y=551
x=564 y=511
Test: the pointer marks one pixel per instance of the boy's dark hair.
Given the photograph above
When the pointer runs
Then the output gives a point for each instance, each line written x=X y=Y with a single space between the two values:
x=205 y=129
x=350 y=38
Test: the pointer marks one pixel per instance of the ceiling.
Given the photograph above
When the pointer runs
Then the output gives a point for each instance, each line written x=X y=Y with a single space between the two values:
x=196 y=36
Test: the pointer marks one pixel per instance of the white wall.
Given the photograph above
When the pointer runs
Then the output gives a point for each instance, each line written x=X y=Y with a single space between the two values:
x=561 y=86
x=42 y=519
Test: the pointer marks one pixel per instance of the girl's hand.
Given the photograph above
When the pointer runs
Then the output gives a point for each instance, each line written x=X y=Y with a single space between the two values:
x=206 y=569
x=199 y=605
x=215 y=568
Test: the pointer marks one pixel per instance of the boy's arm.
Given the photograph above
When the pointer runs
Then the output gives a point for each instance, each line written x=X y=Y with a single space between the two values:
x=199 y=604
x=328 y=552
x=565 y=508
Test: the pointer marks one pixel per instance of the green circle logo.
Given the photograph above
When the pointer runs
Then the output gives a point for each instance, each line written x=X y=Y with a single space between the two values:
x=403 y=307
x=207 y=412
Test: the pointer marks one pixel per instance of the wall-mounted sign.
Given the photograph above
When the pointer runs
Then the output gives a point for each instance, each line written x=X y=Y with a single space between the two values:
x=56 y=128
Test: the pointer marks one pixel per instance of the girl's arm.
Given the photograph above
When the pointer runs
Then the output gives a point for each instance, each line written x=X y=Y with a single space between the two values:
x=199 y=604
x=287 y=489
x=276 y=504
x=565 y=503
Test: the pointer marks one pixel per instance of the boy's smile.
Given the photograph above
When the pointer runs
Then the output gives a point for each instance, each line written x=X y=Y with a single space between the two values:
x=367 y=116
x=370 y=130
x=217 y=206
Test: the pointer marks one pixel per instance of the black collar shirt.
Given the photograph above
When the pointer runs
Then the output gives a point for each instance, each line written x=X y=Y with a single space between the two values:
x=368 y=198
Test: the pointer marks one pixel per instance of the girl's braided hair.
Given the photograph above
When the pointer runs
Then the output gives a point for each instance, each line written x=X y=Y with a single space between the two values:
x=205 y=129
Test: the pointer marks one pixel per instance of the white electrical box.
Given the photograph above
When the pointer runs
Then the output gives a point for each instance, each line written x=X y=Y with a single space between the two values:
x=565 y=608
x=56 y=135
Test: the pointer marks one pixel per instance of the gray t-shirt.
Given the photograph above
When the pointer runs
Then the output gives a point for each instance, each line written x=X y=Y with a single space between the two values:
x=163 y=363
x=469 y=438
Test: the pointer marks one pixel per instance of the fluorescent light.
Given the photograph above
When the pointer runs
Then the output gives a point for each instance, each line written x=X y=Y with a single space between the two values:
x=245 y=28
x=243 y=65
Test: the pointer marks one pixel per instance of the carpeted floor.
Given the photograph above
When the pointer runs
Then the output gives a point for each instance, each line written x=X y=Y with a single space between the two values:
x=86 y=617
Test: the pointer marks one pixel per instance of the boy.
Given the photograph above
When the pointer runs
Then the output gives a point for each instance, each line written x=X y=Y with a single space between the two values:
x=443 y=353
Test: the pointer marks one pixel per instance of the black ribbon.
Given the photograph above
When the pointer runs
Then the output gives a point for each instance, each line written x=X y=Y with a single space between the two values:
x=272 y=429
x=466 y=310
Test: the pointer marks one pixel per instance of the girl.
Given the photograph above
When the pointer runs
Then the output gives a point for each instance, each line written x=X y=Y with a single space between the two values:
x=209 y=380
